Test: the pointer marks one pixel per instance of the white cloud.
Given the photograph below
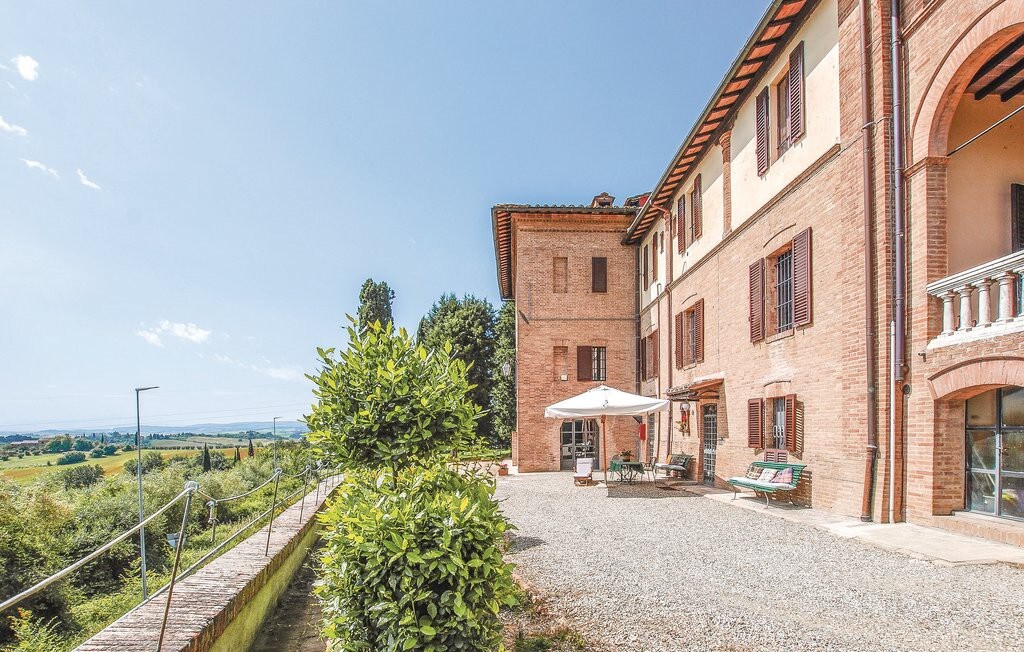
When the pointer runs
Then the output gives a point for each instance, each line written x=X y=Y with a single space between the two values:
x=184 y=331
x=151 y=337
x=279 y=372
x=12 y=128
x=87 y=182
x=36 y=165
x=27 y=67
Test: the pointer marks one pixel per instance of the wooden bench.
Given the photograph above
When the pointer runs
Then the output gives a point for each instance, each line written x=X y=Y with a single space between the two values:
x=767 y=487
x=679 y=463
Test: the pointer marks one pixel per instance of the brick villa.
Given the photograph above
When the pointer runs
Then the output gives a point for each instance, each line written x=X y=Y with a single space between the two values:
x=829 y=270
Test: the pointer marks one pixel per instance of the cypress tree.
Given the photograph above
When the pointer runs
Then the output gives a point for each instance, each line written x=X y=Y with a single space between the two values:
x=238 y=455
x=252 y=451
x=206 y=458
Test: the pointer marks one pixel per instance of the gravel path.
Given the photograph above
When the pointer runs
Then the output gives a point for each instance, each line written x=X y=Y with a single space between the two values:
x=646 y=569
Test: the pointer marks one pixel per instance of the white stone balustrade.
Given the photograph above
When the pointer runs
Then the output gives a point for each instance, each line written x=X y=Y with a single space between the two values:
x=968 y=297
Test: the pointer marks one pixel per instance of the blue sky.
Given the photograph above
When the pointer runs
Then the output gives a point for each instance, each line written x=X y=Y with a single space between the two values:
x=194 y=192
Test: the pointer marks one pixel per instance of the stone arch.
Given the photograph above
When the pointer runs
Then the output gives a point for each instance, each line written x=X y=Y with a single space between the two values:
x=993 y=30
x=965 y=379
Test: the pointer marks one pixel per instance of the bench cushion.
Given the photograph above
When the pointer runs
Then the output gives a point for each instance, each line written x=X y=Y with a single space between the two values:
x=761 y=486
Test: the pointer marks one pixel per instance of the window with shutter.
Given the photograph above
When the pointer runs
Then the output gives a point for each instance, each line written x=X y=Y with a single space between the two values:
x=681 y=224
x=584 y=363
x=687 y=337
x=598 y=274
x=654 y=259
x=757 y=301
x=761 y=130
x=698 y=331
x=645 y=371
x=646 y=265
x=599 y=363
x=791 y=423
x=796 y=93
x=755 y=423
x=802 y=280
x=697 y=208
x=1017 y=216
x=679 y=340
x=655 y=348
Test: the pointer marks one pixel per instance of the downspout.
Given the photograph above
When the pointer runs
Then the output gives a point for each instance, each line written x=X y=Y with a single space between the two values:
x=899 y=249
x=669 y=359
x=636 y=311
x=871 y=452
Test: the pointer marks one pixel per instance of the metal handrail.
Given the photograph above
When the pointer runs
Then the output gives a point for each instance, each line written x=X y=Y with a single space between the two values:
x=247 y=493
x=92 y=555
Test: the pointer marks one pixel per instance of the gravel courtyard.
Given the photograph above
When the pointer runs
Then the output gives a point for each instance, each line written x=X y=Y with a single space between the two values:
x=639 y=568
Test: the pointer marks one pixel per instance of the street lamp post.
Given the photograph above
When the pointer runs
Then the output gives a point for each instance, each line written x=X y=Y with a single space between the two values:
x=138 y=474
x=275 y=442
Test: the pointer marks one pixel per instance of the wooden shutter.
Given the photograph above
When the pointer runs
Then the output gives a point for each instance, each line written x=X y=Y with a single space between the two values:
x=644 y=374
x=698 y=329
x=757 y=301
x=755 y=423
x=762 y=131
x=1016 y=216
x=655 y=347
x=802 y=278
x=679 y=340
x=599 y=274
x=791 y=423
x=697 y=207
x=654 y=258
x=796 y=93
x=681 y=224
x=584 y=363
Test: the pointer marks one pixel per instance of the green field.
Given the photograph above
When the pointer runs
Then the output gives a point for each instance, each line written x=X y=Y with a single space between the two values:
x=32 y=466
x=197 y=441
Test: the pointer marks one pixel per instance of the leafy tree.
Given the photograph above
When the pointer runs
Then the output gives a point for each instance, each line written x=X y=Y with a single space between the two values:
x=386 y=401
x=59 y=444
x=151 y=461
x=82 y=444
x=375 y=304
x=71 y=458
x=467 y=323
x=238 y=456
x=81 y=476
x=206 y=458
x=109 y=449
x=503 y=390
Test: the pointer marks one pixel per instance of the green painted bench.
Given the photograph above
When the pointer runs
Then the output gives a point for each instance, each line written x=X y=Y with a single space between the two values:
x=678 y=463
x=767 y=487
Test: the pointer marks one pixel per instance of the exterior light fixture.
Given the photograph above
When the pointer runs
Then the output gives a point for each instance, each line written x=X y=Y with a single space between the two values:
x=506 y=369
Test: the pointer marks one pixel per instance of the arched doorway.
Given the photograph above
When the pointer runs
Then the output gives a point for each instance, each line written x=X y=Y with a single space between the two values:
x=579 y=438
x=995 y=452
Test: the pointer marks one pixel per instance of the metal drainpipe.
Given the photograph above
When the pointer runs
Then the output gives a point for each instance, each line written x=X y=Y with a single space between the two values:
x=871 y=453
x=670 y=362
x=899 y=244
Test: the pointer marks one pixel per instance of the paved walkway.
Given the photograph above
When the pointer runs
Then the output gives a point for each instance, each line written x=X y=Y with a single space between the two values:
x=638 y=568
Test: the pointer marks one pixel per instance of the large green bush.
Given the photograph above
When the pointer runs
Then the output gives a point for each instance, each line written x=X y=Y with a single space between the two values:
x=413 y=561
x=385 y=401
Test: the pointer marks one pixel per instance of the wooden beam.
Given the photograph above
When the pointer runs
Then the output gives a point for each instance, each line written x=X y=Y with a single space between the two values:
x=1015 y=90
x=1003 y=77
x=997 y=59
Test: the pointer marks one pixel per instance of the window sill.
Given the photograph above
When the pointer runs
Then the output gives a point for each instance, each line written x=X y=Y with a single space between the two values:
x=781 y=336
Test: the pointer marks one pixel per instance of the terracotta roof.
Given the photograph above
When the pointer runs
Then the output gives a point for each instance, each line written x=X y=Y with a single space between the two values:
x=777 y=26
x=501 y=222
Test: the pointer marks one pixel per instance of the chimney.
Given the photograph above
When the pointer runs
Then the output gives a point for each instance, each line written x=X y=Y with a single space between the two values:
x=604 y=200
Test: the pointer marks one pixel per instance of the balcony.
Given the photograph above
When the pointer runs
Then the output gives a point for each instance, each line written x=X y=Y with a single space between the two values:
x=980 y=302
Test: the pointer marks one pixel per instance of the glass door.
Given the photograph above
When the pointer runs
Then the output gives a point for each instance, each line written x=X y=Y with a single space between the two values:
x=578 y=439
x=995 y=453
x=710 y=414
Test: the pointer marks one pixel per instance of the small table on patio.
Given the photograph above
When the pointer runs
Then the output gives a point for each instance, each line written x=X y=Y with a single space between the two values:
x=629 y=472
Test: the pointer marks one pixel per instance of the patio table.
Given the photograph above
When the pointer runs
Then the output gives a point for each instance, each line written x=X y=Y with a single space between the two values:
x=629 y=472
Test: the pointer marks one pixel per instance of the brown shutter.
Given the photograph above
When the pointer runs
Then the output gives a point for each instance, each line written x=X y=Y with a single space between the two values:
x=584 y=363
x=698 y=328
x=802 y=278
x=646 y=268
x=697 y=207
x=796 y=93
x=791 y=423
x=599 y=274
x=1016 y=216
x=679 y=340
x=681 y=224
x=644 y=374
x=757 y=301
x=654 y=258
x=755 y=423
x=762 y=131
x=655 y=347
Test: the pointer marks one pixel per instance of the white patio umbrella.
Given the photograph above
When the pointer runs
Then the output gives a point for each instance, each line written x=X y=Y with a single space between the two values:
x=602 y=401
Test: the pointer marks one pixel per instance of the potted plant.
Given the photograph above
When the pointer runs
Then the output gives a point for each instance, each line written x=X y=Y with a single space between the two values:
x=627 y=456
x=503 y=468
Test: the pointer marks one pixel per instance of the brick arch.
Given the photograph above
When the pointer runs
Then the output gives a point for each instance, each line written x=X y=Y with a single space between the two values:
x=993 y=30
x=965 y=379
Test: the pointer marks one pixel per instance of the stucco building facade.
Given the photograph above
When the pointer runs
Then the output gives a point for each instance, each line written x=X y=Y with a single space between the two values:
x=828 y=271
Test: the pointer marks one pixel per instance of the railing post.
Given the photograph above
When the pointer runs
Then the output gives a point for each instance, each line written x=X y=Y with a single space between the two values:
x=305 y=481
x=273 y=508
x=191 y=486
x=984 y=302
x=966 y=319
x=1006 y=283
x=213 y=520
x=948 y=315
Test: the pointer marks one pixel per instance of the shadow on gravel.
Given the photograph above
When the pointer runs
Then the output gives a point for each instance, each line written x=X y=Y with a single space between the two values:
x=519 y=544
x=646 y=491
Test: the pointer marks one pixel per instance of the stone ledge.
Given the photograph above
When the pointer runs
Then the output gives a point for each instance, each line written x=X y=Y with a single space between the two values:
x=205 y=604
